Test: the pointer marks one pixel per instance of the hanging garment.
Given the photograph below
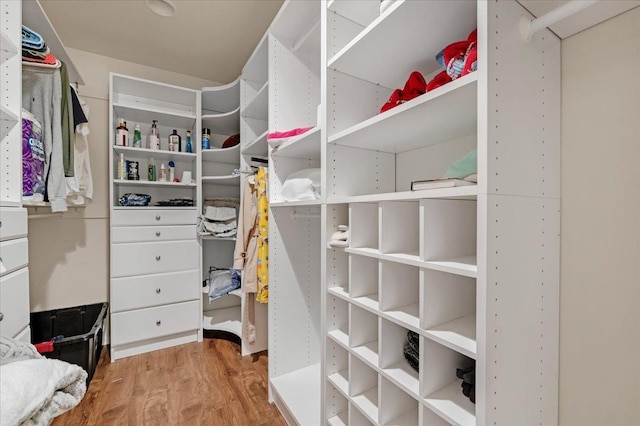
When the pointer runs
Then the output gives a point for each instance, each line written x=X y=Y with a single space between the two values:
x=80 y=186
x=42 y=96
x=66 y=123
x=263 y=237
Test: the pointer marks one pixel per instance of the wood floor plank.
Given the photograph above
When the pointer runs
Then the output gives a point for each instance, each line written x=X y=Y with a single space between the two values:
x=206 y=383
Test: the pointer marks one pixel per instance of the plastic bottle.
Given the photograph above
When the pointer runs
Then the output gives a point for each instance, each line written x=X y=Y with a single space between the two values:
x=172 y=171
x=153 y=138
x=175 y=141
x=122 y=133
x=151 y=175
x=137 y=139
x=206 y=138
x=188 y=147
x=122 y=168
x=163 y=174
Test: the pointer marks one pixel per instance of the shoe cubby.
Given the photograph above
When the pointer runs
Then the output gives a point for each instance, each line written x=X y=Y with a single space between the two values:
x=449 y=230
x=363 y=334
x=400 y=228
x=363 y=280
x=429 y=418
x=393 y=363
x=439 y=385
x=449 y=310
x=337 y=371
x=356 y=418
x=400 y=292
x=397 y=408
x=337 y=319
x=363 y=225
x=363 y=388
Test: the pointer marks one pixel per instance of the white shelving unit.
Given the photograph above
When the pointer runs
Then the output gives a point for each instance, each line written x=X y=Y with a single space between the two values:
x=155 y=261
x=294 y=227
x=453 y=265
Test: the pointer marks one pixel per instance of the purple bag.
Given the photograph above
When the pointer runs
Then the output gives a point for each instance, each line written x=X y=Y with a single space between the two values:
x=33 y=180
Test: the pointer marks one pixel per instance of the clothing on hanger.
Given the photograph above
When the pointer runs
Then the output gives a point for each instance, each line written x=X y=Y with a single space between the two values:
x=66 y=123
x=263 y=237
x=80 y=186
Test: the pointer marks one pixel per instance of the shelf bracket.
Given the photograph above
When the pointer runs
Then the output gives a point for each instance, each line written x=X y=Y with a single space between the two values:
x=528 y=27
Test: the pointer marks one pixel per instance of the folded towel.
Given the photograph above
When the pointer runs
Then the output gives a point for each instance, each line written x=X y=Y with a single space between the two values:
x=339 y=243
x=34 y=391
x=343 y=227
x=218 y=227
x=276 y=139
x=301 y=185
x=341 y=235
x=12 y=350
x=220 y=214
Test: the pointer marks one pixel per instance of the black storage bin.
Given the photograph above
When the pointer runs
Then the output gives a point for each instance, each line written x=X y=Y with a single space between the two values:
x=82 y=328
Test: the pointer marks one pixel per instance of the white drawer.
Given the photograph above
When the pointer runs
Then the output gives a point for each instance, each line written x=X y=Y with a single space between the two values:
x=153 y=217
x=13 y=223
x=153 y=290
x=14 y=302
x=134 y=234
x=14 y=254
x=150 y=323
x=153 y=258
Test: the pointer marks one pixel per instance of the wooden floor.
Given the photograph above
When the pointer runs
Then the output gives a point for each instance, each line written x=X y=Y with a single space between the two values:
x=206 y=383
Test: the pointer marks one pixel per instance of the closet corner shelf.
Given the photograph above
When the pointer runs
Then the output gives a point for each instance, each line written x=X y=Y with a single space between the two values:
x=157 y=154
x=227 y=123
x=306 y=203
x=222 y=155
x=223 y=98
x=300 y=392
x=224 y=319
x=459 y=335
x=305 y=146
x=258 y=146
x=469 y=192
x=446 y=113
x=365 y=55
x=229 y=180
x=258 y=107
x=177 y=185
x=138 y=113
x=450 y=404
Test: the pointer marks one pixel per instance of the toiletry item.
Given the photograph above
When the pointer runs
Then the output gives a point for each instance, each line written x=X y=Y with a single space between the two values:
x=175 y=142
x=163 y=174
x=122 y=168
x=132 y=170
x=206 y=138
x=122 y=133
x=189 y=147
x=172 y=171
x=137 y=139
x=151 y=175
x=153 y=139
x=186 y=177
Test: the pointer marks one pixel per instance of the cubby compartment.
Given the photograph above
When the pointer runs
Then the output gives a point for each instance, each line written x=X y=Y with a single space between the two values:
x=337 y=370
x=397 y=408
x=400 y=292
x=393 y=363
x=363 y=280
x=363 y=225
x=449 y=310
x=356 y=418
x=335 y=400
x=400 y=228
x=449 y=234
x=439 y=385
x=428 y=417
x=363 y=388
x=363 y=334
x=337 y=319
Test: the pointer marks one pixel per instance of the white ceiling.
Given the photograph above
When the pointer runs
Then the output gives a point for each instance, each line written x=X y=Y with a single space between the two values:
x=586 y=18
x=209 y=39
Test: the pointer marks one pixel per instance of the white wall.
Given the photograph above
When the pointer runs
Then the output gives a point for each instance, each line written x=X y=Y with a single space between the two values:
x=600 y=277
x=69 y=256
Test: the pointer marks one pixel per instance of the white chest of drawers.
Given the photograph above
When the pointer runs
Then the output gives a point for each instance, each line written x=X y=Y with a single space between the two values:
x=155 y=276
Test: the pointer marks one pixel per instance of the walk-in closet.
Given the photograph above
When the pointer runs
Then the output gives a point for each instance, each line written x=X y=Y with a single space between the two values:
x=319 y=212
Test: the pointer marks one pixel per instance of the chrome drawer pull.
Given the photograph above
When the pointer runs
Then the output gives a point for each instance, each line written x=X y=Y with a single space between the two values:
x=157 y=217
x=158 y=234
x=158 y=322
x=158 y=258
x=158 y=291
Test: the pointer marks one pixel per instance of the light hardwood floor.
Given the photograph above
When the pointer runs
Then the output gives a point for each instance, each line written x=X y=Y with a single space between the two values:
x=206 y=383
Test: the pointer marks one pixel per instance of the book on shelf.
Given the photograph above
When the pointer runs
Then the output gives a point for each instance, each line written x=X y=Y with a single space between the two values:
x=419 y=185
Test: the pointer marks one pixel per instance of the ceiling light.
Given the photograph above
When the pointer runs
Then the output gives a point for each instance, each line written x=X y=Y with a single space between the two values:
x=164 y=8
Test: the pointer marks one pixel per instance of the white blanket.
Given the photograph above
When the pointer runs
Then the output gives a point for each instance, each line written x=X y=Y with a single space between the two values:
x=34 y=391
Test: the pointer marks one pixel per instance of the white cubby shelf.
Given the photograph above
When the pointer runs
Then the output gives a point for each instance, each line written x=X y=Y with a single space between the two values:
x=142 y=113
x=257 y=108
x=229 y=155
x=177 y=185
x=258 y=146
x=304 y=146
x=304 y=203
x=157 y=154
x=221 y=99
x=224 y=123
x=221 y=180
x=469 y=192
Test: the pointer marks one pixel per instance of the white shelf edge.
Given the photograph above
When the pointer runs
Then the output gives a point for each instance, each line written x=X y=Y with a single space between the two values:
x=301 y=405
x=220 y=115
x=367 y=396
x=230 y=180
x=340 y=419
x=450 y=404
x=227 y=319
x=152 y=183
x=229 y=155
x=464 y=192
x=259 y=97
x=212 y=238
x=155 y=110
x=450 y=334
x=308 y=137
x=151 y=152
x=256 y=141
x=306 y=203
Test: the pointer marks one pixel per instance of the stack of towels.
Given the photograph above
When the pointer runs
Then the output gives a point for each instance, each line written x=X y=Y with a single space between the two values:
x=340 y=239
x=219 y=221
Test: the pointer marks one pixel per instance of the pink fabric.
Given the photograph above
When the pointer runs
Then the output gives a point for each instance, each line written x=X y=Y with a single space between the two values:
x=288 y=133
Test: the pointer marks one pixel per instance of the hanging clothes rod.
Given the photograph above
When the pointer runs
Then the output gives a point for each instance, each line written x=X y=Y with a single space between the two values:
x=295 y=215
x=528 y=27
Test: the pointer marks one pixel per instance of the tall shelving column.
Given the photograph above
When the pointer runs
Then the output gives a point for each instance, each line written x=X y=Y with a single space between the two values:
x=294 y=227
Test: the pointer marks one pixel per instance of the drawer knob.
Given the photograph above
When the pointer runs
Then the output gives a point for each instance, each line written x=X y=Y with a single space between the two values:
x=157 y=217
x=158 y=258
x=1 y=316
x=158 y=291
x=158 y=322
x=157 y=233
